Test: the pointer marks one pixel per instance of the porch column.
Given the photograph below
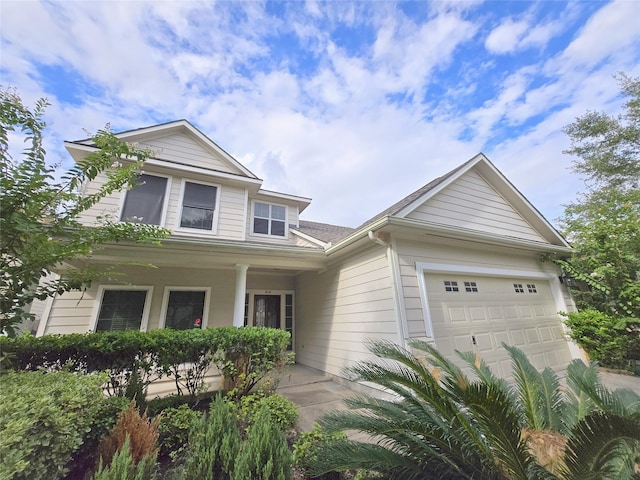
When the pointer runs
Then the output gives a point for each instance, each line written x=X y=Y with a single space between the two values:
x=241 y=290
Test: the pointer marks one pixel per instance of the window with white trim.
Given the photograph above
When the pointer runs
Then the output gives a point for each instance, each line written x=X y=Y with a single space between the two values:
x=531 y=288
x=269 y=219
x=145 y=202
x=518 y=288
x=198 y=206
x=185 y=308
x=450 y=286
x=470 y=287
x=121 y=309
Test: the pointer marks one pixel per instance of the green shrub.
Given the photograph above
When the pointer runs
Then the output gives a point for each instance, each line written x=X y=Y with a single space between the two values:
x=283 y=411
x=45 y=412
x=158 y=405
x=306 y=447
x=124 y=467
x=86 y=457
x=135 y=359
x=214 y=442
x=175 y=424
x=265 y=454
x=603 y=337
x=247 y=354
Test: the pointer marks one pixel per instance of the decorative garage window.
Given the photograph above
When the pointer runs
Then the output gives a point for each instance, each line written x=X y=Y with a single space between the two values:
x=470 y=287
x=122 y=309
x=450 y=286
x=185 y=308
x=518 y=288
x=531 y=287
x=269 y=219
x=145 y=202
x=199 y=206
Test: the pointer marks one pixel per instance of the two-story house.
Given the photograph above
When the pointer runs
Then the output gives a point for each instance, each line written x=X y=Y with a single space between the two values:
x=458 y=262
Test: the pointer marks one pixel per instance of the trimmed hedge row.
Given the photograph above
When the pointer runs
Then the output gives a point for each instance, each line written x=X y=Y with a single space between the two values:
x=135 y=359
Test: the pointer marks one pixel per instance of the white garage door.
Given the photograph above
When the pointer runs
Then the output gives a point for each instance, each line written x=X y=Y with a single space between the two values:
x=474 y=313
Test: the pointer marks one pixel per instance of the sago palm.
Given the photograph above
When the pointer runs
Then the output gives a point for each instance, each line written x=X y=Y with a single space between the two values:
x=443 y=424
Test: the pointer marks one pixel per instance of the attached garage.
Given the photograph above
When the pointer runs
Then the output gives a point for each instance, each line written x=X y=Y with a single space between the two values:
x=472 y=312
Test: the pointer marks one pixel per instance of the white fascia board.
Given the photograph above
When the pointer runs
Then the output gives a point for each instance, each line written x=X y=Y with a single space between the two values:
x=284 y=196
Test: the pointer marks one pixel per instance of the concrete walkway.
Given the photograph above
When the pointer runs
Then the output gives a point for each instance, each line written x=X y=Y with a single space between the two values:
x=315 y=393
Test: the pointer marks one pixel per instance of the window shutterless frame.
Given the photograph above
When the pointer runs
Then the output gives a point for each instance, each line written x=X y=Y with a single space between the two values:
x=166 y=298
x=269 y=219
x=138 y=201
x=199 y=207
x=100 y=297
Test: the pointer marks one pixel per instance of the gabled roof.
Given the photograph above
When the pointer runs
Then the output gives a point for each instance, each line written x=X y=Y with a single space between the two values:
x=169 y=128
x=482 y=166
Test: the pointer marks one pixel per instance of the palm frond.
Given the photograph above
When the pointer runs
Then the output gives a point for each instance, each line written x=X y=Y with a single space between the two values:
x=527 y=388
x=602 y=446
x=579 y=404
x=345 y=455
x=482 y=370
x=585 y=381
x=493 y=410
x=553 y=401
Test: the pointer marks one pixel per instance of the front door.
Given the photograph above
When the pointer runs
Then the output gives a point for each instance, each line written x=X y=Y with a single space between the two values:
x=266 y=311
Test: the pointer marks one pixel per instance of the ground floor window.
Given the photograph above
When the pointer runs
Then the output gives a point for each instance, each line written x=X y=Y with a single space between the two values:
x=185 y=308
x=122 y=309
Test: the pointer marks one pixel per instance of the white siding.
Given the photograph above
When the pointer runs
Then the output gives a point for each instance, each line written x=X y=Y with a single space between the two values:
x=339 y=309
x=108 y=206
x=73 y=311
x=457 y=253
x=470 y=202
x=184 y=149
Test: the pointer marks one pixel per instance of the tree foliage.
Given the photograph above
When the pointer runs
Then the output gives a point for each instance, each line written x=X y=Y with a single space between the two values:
x=39 y=209
x=603 y=225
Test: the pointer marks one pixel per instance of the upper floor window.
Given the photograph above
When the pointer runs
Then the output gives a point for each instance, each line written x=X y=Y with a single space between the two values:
x=269 y=219
x=144 y=203
x=199 y=206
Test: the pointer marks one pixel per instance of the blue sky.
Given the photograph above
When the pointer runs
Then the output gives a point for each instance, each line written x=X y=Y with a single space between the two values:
x=354 y=104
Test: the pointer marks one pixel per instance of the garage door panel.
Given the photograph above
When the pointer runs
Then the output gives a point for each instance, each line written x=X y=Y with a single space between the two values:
x=545 y=334
x=517 y=337
x=501 y=336
x=457 y=315
x=517 y=312
x=462 y=343
x=477 y=313
x=532 y=335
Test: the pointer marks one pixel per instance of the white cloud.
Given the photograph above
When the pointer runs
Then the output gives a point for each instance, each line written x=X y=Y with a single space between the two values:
x=613 y=28
x=506 y=37
x=355 y=124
